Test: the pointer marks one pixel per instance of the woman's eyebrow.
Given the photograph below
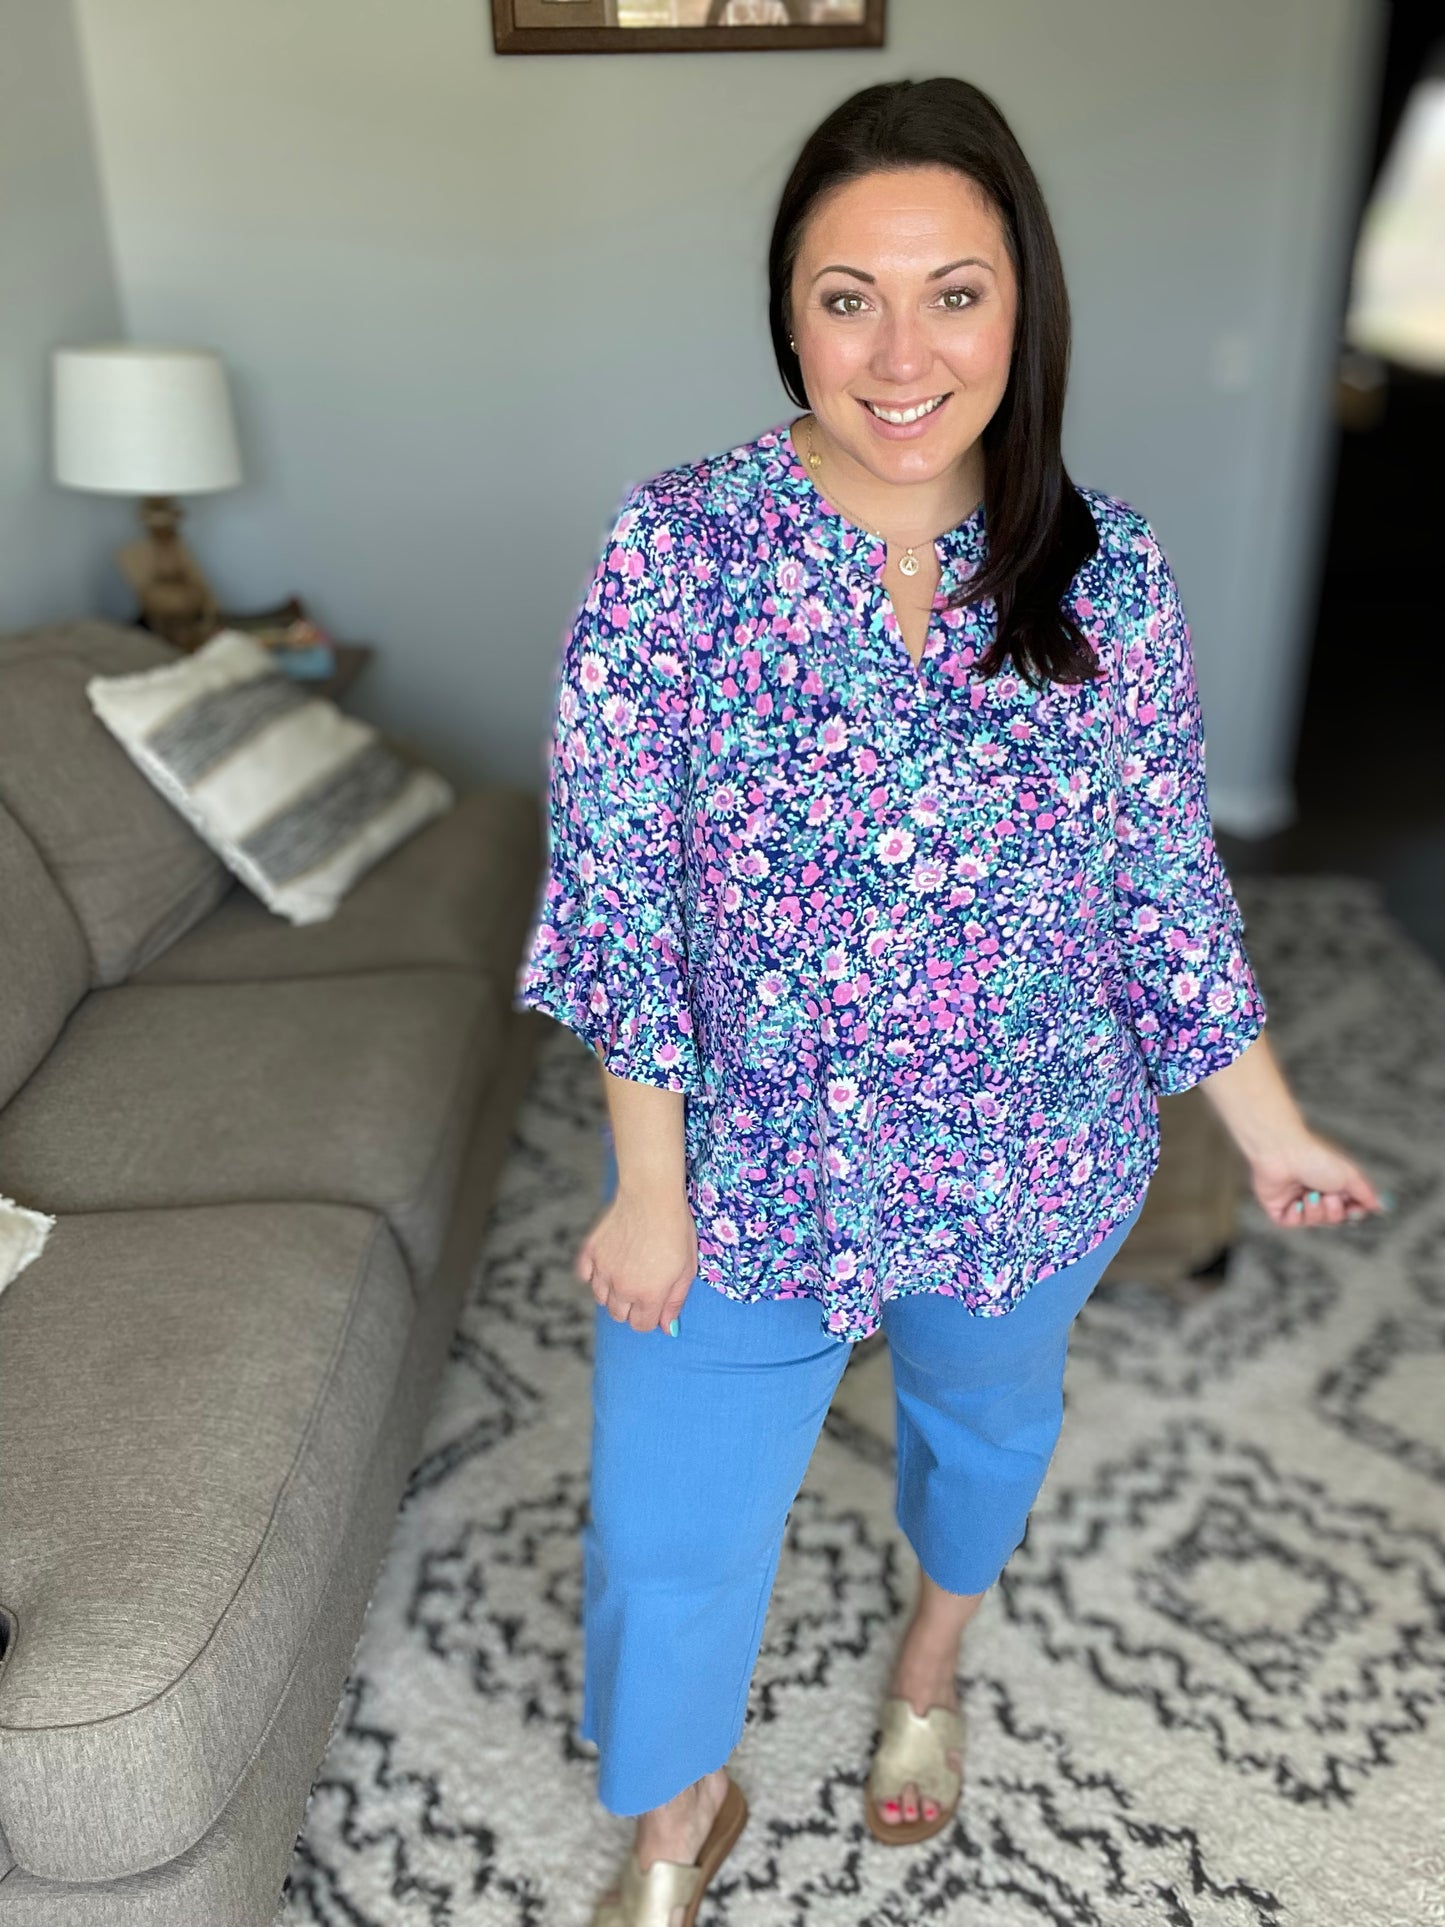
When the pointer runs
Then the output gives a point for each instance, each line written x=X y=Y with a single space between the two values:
x=968 y=261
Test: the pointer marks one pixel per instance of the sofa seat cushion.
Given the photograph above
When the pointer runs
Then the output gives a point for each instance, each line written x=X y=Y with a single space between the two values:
x=187 y=1401
x=351 y=1090
x=458 y=893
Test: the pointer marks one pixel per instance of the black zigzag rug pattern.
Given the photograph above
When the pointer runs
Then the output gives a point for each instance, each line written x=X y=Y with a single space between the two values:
x=1209 y=1690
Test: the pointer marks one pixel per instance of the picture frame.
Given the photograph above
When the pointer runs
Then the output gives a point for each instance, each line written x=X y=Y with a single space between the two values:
x=684 y=26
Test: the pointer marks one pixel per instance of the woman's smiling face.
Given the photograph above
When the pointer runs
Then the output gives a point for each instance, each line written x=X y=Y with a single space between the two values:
x=903 y=292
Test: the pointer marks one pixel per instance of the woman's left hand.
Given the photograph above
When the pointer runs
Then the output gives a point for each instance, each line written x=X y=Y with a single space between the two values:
x=1312 y=1181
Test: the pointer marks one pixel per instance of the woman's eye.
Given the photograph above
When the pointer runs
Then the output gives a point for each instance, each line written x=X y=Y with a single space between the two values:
x=970 y=295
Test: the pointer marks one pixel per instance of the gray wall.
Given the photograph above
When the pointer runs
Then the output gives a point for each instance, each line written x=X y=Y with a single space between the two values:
x=56 y=284
x=468 y=300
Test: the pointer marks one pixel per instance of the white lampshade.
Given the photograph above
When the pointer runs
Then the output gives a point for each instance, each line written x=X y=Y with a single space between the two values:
x=143 y=421
x=1397 y=297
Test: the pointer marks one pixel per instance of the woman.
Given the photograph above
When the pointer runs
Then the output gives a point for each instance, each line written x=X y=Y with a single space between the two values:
x=881 y=881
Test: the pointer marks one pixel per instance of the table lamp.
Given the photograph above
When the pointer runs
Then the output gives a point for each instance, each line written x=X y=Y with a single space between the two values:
x=153 y=422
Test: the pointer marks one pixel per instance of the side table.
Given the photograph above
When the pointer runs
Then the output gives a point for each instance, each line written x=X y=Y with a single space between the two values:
x=351 y=659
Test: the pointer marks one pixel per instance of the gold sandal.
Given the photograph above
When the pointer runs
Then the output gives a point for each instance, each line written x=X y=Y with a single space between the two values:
x=914 y=1747
x=647 y=1899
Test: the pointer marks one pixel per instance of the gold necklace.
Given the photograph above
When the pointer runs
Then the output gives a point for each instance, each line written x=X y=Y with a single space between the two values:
x=908 y=561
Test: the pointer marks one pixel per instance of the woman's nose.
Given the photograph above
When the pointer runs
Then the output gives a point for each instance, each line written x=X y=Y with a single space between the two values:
x=902 y=351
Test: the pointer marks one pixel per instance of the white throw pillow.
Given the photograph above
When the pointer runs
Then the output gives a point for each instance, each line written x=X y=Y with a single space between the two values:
x=298 y=799
x=22 y=1238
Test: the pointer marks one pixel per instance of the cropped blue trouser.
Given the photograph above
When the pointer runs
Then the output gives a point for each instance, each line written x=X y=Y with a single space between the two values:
x=699 y=1446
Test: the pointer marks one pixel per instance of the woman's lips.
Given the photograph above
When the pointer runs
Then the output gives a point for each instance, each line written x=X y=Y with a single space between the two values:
x=904 y=431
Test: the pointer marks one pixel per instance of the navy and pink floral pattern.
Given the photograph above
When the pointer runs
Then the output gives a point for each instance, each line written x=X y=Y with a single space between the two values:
x=919 y=947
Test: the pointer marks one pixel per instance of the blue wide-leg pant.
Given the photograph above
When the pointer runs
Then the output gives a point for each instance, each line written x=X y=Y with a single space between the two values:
x=699 y=1446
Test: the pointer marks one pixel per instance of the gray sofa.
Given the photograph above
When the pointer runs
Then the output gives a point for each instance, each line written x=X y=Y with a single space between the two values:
x=271 y=1151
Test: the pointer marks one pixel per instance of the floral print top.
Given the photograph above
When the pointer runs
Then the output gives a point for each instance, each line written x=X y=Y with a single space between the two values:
x=919 y=947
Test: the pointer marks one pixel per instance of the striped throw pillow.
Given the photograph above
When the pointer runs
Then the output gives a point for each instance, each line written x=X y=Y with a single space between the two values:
x=298 y=799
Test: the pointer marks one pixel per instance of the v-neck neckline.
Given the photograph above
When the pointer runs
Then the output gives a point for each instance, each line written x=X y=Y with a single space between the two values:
x=889 y=616
x=859 y=550
x=864 y=546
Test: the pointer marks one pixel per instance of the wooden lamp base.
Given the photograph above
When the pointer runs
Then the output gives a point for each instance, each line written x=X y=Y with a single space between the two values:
x=176 y=600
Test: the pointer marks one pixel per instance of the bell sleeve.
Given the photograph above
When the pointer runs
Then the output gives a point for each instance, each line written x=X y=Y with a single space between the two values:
x=1193 y=999
x=607 y=953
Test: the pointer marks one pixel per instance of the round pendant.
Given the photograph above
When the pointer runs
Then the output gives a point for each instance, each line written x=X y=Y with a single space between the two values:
x=908 y=564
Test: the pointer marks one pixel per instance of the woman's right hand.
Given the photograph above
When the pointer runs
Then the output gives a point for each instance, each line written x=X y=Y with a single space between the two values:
x=640 y=1259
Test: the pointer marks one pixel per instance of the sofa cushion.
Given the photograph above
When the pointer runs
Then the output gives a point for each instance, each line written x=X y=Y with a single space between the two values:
x=187 y=1403
x=356 y=1090
x=134 y=872
x=458 y=894
x=44 y=963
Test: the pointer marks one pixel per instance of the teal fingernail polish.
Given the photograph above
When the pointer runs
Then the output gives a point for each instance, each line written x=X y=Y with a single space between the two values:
x=1387 y=1198
x=1314 y=1197
x=672 y=1329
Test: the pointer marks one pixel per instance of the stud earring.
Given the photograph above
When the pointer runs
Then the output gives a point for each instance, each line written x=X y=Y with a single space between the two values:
x=792 y=344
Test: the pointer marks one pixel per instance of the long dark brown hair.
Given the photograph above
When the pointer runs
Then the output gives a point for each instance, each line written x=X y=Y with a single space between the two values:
x=1039 y=529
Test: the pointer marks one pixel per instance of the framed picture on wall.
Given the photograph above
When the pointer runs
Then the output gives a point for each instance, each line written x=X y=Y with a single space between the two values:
x=683 y=26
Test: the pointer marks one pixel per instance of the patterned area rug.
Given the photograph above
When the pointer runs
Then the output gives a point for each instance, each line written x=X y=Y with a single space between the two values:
x=1207 y=1691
